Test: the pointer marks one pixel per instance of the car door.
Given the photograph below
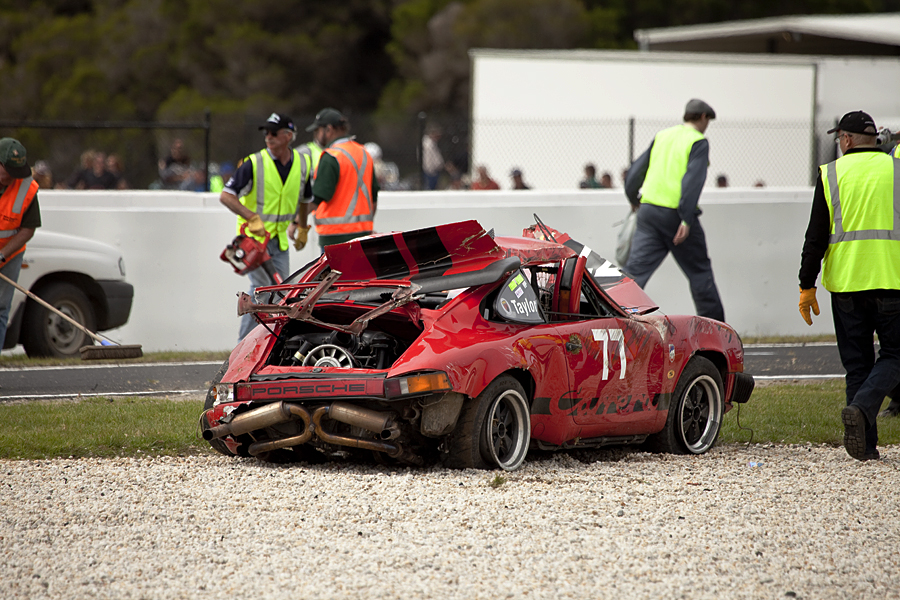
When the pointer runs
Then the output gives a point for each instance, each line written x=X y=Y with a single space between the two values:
x=615 y=363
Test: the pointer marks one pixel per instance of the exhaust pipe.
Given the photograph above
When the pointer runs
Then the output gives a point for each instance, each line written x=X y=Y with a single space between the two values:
x=381 y=423
x=258 y=418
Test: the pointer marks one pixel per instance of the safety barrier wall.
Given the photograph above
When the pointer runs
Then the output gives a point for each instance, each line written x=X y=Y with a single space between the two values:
x=186 y=297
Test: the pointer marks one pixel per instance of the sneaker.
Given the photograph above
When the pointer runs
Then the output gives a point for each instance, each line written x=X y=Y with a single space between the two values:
x=854 y=432
x=873 y=455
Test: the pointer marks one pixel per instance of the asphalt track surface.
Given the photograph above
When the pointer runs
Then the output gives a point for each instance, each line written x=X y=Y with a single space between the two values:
x=787 y=362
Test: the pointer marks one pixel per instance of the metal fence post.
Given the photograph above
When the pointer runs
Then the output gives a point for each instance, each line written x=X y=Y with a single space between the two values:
x=630 y=141
x=420 y=150
x=207 y=127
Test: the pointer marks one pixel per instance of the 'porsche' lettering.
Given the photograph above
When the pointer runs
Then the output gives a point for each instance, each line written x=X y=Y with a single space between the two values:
x=319 y=389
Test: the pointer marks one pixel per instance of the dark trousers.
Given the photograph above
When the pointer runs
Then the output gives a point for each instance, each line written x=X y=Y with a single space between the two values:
x=857 y=317
x=656 y=226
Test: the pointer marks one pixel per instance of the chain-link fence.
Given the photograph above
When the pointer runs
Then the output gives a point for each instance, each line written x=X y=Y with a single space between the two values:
x=551 y=153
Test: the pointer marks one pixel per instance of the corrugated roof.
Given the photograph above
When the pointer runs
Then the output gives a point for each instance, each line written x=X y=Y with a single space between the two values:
x=881 y=28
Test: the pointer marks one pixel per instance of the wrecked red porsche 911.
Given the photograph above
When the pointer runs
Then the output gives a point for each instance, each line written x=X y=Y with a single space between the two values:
x=449 y=344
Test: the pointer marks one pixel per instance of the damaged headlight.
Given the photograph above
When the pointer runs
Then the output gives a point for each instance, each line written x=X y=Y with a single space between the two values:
x=223 y=392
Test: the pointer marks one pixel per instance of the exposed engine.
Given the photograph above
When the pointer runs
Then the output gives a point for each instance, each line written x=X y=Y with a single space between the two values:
x=369 y=350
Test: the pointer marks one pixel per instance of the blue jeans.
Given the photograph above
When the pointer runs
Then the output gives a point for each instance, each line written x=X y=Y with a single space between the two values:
x=11 y=269
x=656 y=226
x=258 y=278
x=857 y=316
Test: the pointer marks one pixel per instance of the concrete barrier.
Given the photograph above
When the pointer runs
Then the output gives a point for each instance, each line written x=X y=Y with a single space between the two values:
x=186 y=297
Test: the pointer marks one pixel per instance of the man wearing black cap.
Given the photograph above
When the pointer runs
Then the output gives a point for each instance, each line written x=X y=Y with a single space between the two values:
x=20 y=215
x=854 y=228
x=670 y=175
x=345 y=190
x=264 y=193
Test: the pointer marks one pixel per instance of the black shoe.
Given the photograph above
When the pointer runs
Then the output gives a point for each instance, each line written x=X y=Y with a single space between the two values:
x=892 y=410
x=873 y=455
x=854 y=432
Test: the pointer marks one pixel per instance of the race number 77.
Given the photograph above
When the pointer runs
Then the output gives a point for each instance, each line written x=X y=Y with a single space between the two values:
x=605 y=336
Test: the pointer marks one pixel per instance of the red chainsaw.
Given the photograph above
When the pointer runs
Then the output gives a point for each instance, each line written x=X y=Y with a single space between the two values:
x=245 y=253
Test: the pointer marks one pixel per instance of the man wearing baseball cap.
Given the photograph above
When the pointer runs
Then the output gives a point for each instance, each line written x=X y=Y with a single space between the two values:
x=345 y=190
x=264 y=193
x=669 y=176
x=20 y=215
x=854 y=228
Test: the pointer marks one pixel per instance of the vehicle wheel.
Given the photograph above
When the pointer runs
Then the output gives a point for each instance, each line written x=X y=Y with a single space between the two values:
x=695 y=412
x=494 y=429
x=218 y=445
x=45 y=333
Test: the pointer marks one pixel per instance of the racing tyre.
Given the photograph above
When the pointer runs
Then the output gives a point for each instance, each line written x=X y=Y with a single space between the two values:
x=45 y=333
x=695 y=411
x=494 y=430
x=218 y=445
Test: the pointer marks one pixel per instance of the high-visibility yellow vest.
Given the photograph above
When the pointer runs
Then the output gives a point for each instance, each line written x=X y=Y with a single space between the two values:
x=273 y=200
x=14 y=201
x=668 y=164
x=863 y=194
x=314 y=151
x=897 y=151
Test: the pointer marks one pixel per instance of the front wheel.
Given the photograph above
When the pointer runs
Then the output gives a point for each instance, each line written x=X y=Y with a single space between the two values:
x=494 y=429
x=45 y=333
x=695 y=411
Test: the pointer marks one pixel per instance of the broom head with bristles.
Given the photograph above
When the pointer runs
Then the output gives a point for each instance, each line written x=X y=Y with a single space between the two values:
x=111 y=352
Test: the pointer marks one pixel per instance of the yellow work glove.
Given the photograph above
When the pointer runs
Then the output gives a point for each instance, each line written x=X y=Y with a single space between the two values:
x=808 y=301
x=302 y=237
x=256 y=227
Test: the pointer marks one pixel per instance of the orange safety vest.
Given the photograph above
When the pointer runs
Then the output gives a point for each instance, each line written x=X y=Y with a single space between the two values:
x=14 y=201
x=350 y=209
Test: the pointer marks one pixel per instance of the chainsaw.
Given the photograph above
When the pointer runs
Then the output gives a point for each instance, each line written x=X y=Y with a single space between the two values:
x=245 y=253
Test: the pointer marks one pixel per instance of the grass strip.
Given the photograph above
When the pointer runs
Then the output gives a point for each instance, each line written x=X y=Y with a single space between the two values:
x=780 y=413
x=787 y=413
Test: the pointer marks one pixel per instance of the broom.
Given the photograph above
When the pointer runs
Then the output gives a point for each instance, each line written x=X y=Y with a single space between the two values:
x=106 y=349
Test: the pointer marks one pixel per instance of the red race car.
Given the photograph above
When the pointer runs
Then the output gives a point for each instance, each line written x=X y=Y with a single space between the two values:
x=449 y=344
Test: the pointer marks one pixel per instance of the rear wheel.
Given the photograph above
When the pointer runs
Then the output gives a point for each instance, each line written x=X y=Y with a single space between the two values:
x=45 y=333
x=695 y=412
x=494 y=430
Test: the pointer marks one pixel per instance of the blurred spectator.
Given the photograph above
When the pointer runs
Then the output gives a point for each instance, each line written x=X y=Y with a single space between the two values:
x=760 y=184
x=43 y=175
x=387 y=173
x=218 y=177
x=484 y=181
x=456 y=178
x=98 y=178
x=518 y=183
x=606 y=180
x=114 y=166
x=432 y=160
x=76 y=179
x=590 y=178
x=176 y=167
x=196 y=179
x=721 y=181
x=624 y=175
